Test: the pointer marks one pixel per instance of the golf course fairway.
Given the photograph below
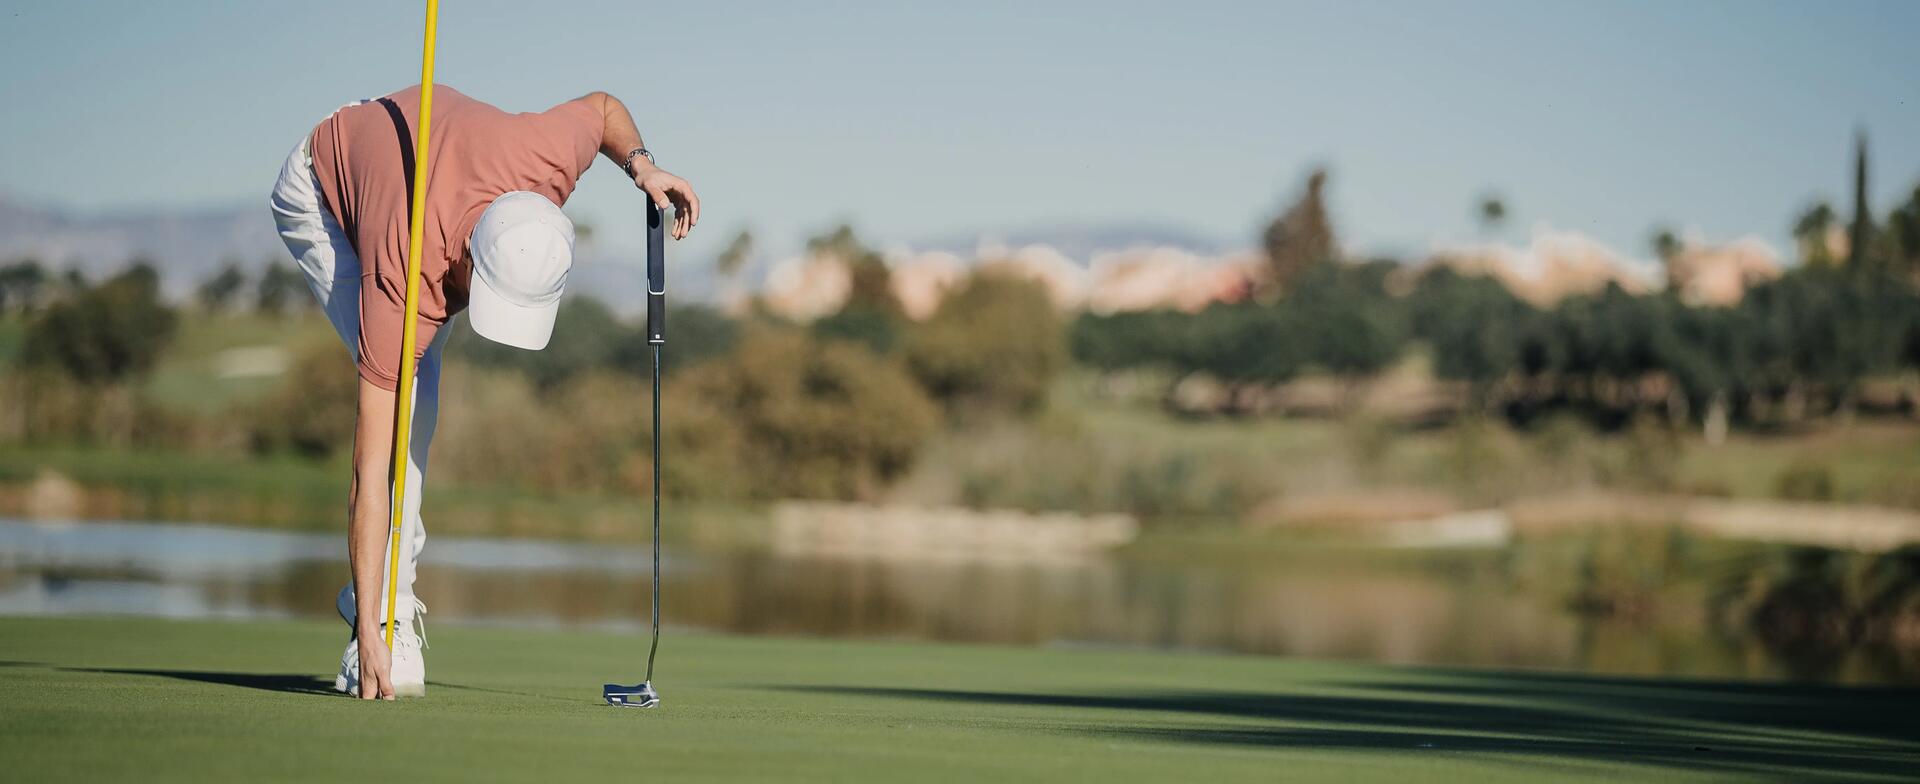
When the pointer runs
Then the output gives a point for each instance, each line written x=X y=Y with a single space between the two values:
x=115 y=699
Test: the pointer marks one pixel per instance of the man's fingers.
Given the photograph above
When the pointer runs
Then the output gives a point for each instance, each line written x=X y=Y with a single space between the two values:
x=687 y=201
x=668 y=191
x=689 y=205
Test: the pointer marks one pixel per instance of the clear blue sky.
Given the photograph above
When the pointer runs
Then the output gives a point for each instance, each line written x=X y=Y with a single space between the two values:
x=917 y=120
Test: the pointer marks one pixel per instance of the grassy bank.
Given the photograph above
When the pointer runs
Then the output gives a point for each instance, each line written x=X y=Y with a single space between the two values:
x=200 y=437
x=291 y=493
x=177 y=701
x=1097 y=450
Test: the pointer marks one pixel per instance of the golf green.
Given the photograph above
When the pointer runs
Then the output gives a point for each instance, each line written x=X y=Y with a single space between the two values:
x=105 y=698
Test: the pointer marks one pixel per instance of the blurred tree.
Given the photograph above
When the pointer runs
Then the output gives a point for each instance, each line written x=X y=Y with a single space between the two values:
x=806 y=418
x=1666 y=248
x=1611 y=343
x=1473 y=325
x=701 y=333
x=1344 y=319
x=738 y=252
x=867 y=327
x=1821 y=330
x=103 y=333
x=311 y=411
x=994 y=345
x=586 y=335
x=1903 y=235
x=1127 y=339
x=1860 y=234
x=1301 y=237
x=871 y=316
x=1711 y=354
x=22 y=284
x=1811 y=230
x=280 y=285
x=1242 y=345
x=217 y=293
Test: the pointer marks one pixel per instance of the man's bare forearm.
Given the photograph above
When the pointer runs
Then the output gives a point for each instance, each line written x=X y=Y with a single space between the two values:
x=618 y=135
x=618 y=139
x=368 y=521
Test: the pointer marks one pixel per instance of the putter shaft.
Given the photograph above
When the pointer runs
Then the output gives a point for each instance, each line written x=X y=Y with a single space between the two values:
x=655 y=646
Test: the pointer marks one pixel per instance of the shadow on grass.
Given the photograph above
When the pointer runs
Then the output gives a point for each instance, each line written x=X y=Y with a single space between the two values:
x=286 y=683
x=1756 y=730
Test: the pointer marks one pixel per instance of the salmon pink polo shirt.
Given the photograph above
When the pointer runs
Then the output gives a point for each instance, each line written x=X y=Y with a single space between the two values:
x=476 y=153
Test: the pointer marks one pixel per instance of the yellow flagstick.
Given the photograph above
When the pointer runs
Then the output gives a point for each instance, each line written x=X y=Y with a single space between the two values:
x=403 y=406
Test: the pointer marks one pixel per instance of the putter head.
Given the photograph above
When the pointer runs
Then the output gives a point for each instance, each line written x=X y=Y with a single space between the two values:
x=641 y=696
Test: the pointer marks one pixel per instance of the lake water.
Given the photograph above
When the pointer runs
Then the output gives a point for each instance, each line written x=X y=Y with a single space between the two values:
x=1449 y=613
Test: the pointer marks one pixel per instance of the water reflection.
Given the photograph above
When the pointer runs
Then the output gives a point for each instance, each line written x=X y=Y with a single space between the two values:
x=1394 y=614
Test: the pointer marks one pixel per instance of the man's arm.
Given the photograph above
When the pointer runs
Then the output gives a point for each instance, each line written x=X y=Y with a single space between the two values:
x=618 y=137
x=368 y=526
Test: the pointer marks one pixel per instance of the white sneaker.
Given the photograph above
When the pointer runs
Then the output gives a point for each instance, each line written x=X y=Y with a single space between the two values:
x=409 y=664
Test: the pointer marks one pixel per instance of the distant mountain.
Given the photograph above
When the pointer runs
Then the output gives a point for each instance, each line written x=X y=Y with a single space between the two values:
x=1082 y=241
x=186 y=246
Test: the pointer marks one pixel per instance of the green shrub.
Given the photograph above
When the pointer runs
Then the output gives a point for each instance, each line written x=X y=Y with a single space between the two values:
x=311 y=411
x=994 y=345
x=811 y=419
x=871 y=328
x=104 y=333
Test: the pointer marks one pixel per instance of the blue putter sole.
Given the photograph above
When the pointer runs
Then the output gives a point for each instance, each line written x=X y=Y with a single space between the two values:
x=641 y=696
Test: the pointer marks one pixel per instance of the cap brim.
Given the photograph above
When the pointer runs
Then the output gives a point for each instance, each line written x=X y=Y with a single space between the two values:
x=496 y=319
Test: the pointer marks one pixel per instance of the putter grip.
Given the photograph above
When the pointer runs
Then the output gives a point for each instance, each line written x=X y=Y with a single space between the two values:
x=656 y=275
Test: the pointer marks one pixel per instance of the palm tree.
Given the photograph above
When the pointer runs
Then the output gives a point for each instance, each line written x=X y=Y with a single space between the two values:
x=1667 y=247
x=737 y=254
x=1493 y=213
x=1811 y=232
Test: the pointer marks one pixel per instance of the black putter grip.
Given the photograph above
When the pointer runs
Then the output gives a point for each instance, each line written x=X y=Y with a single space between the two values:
x=656 y=275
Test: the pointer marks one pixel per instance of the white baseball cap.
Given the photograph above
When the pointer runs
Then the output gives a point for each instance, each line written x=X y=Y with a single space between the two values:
x=522 y=251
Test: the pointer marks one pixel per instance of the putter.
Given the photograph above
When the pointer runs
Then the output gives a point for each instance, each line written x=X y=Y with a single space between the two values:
x=643 y=695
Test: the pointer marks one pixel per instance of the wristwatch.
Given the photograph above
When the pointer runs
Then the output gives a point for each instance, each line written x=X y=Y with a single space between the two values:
x=626 y=164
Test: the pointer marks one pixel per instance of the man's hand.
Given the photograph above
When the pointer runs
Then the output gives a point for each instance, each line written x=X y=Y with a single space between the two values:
x=376 y=666
x=619 y=139
x=367 y=528
x=668 y=190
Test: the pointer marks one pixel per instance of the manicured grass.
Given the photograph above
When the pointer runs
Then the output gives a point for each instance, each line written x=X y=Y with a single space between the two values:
x=109 y=699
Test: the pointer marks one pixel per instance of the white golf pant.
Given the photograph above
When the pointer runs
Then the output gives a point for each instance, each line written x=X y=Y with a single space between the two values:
x=322 y=250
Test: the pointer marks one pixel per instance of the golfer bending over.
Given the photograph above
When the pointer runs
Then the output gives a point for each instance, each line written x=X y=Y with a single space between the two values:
x=495 y=244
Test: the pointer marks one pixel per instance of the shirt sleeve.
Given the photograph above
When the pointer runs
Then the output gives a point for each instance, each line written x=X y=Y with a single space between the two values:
x=562 y=142
x=382 y=312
